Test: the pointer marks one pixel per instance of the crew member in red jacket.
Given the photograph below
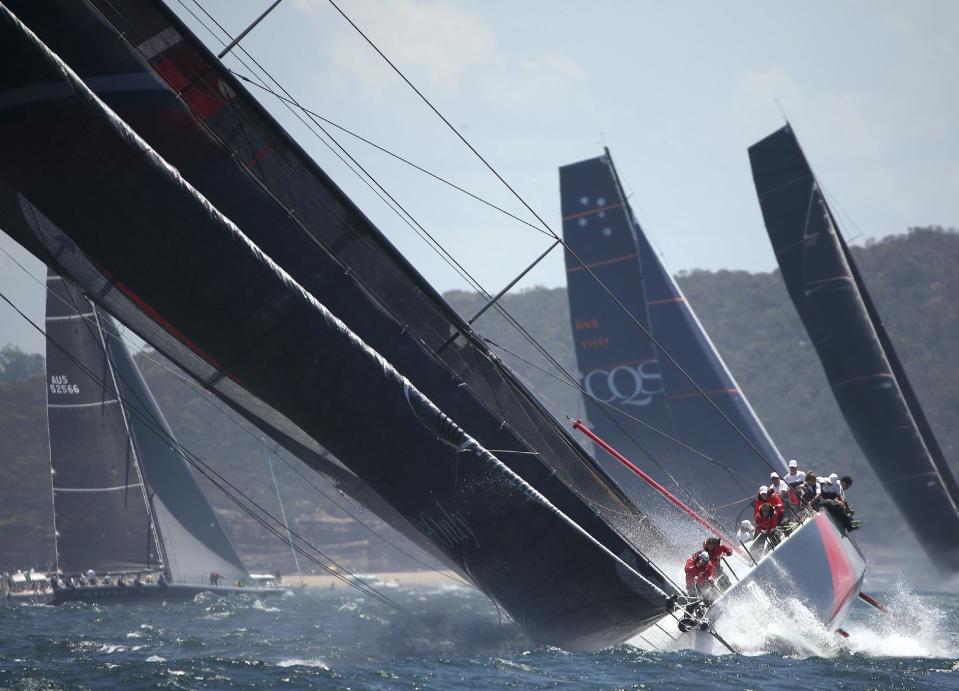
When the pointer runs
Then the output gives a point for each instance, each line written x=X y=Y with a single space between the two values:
x=699 y=575
x=716 y=550
x=771 y=498
x=767 y=526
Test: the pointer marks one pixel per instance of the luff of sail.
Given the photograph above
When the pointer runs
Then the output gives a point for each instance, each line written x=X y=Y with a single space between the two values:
x=857 y=355
x=145 y=244
x=175 y=94
x=101 y=513
x=625 y=372
x=194 y=543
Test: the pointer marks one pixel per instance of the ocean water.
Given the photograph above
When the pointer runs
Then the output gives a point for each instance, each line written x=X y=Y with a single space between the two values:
x=446 y=638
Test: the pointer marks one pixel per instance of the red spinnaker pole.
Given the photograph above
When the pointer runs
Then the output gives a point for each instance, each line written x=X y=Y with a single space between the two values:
x=651 y=482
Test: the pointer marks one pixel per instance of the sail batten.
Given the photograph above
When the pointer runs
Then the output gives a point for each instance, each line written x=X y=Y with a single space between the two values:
x=861 y=365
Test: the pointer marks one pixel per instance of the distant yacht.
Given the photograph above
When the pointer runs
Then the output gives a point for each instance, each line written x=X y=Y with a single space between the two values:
x=131 y=520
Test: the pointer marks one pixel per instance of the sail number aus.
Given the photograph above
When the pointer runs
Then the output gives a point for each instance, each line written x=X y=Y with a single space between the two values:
x=59 y=383
x=625 y=384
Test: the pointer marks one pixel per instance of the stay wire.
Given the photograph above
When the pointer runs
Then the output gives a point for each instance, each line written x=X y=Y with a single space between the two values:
x=388 y=152
x=578 y=259
x=205 y=395
x=243 y=501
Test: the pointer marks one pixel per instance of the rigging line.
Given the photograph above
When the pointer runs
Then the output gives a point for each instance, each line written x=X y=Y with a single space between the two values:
x=440 y=115
x=449 y=258
x=286 y=523
x=243 y=501
x=548 y=228
x=425 y=171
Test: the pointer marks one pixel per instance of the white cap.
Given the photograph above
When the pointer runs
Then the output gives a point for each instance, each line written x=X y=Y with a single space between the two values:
x=763 y=489
x=703 y=556
x=793 y=464
x=833 y=477
x=747 y=525
x=773 y=475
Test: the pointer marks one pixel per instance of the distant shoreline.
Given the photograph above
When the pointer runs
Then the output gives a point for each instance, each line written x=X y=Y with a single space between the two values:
x=378 y=579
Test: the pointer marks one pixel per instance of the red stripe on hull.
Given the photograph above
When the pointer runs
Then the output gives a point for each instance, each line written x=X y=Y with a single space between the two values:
x=840 y=568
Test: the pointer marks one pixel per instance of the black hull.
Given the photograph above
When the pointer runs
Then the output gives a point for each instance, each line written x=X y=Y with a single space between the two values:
x=152 y=591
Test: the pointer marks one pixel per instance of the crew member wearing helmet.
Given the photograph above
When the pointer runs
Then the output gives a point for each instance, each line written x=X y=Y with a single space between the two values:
x=767 y=525
x=716 y=550
x=699 y=575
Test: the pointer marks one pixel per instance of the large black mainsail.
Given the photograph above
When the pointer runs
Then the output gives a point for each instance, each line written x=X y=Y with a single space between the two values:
x=160 y=78
x=725 y=451
x=101 y=514
x=109 y=211
x=856 y=352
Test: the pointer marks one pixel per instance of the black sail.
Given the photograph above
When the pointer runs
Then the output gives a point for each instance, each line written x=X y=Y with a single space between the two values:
x=193 y=541
x=158 y=77
x=101 y=514
x=857 y=355
x=124 y=224
x=725 y=451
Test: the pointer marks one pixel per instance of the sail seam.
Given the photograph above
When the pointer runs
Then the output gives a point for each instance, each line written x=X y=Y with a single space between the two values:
x=97 y=489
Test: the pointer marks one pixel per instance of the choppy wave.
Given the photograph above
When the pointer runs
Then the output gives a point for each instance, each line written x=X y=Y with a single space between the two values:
x=452 y=638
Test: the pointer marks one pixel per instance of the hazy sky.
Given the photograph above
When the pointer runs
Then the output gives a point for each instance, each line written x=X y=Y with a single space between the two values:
x=677 y=91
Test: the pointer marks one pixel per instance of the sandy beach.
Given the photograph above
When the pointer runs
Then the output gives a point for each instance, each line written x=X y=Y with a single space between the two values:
x=400 y=578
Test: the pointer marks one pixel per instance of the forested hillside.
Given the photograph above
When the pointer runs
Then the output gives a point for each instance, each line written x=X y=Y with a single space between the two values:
x=748 y=315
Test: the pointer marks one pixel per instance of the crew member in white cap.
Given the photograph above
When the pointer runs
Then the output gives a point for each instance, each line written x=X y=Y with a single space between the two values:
x=794 y=477
x=745 y=532
x=776 y=484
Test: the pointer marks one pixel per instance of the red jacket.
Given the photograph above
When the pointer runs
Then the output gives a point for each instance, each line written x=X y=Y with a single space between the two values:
x=700 y=574
x=775 y=501
x=717 y=552
x=767 y=522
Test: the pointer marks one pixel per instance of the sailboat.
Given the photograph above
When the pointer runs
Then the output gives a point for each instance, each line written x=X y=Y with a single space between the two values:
x=657 y=390
x=182 y=208
x=125 y=500
x=857 y=354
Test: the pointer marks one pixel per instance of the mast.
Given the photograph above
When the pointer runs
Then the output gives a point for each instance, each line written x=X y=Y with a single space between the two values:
x=286 y=524
x=153 y=533
x=46 y=414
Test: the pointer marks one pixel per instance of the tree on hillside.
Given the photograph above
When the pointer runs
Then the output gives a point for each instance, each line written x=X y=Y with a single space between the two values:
x=15 y=365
